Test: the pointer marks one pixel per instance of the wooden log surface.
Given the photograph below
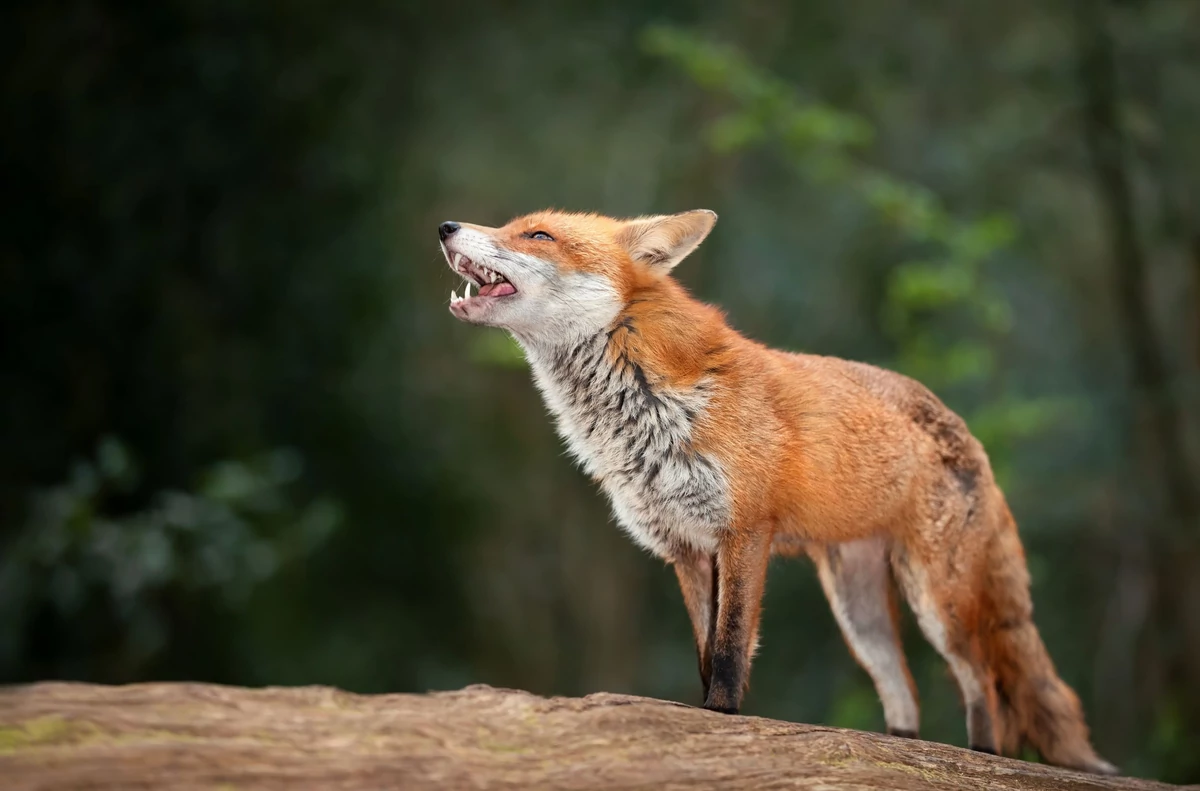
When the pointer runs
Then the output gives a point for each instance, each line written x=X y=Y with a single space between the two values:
x=200 y=736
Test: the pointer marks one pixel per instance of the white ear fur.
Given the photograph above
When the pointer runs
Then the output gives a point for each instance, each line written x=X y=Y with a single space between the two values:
x=662 y=242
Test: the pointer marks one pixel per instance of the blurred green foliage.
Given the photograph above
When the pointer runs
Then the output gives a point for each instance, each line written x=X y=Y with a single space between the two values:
x=824 y=145
x=76 y=561
x=218 y=246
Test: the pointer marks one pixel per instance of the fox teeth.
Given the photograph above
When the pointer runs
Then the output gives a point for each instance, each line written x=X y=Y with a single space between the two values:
x=457 y=260
x=467 y=291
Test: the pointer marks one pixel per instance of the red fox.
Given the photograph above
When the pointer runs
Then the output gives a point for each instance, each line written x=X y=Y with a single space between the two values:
x=717 y=451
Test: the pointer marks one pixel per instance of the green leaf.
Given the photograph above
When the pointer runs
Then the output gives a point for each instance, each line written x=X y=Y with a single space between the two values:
x=114 y=462
x=732 y=132
x=1005 y=421
x=966 y=361
x=925 y=285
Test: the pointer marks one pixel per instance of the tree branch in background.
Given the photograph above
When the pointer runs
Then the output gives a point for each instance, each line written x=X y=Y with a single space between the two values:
x=1107 y=147
x=1169 y=555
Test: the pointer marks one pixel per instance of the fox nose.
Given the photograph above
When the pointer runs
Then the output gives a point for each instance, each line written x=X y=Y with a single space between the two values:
x=447 y=228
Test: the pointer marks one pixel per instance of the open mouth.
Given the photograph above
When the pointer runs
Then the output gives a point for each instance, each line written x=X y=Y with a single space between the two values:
x=491 y=283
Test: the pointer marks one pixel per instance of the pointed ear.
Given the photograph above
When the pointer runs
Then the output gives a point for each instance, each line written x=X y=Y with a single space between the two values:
x=662 y=242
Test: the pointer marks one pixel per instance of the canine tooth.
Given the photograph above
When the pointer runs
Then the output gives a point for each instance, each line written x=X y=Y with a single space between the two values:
x=467 y=291
x=453 y=297
x=457 y=259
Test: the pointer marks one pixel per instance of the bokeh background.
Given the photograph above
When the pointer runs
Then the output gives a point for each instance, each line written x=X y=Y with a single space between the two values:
x=243 y=441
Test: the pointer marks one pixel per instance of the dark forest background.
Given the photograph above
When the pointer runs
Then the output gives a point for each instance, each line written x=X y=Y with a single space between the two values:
x=243 y=441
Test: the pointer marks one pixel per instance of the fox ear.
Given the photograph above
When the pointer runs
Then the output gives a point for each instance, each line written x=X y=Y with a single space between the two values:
x=662 y=242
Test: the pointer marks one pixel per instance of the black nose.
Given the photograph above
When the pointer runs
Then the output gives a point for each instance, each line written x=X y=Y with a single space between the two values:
x=447 y=228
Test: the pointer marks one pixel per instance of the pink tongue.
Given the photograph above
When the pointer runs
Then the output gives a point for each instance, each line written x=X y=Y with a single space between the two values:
x=496 y=290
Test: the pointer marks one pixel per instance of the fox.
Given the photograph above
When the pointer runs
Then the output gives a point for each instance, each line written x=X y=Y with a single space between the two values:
x=717 y=452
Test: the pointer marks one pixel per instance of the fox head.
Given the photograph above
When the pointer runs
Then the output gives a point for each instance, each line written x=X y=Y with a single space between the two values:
x=551 y=277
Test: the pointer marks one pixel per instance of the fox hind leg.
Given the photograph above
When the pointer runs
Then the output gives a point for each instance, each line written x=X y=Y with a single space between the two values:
x=857 y=582
x=930 y=591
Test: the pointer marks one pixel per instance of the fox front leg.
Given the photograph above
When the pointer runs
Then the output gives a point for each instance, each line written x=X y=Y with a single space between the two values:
x=696 y=573
x=741 y=575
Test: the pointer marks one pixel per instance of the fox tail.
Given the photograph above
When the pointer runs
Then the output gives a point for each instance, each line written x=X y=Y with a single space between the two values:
x=1034 y=705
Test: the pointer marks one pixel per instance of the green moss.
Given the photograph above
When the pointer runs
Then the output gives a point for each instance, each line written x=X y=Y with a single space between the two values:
x=46 y=732
x=55 y=731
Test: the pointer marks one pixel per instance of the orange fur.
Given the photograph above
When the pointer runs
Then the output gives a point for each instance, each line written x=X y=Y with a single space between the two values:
x=818 y=452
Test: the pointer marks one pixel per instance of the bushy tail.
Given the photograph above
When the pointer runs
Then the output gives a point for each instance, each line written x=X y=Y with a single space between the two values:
x=1034 y=705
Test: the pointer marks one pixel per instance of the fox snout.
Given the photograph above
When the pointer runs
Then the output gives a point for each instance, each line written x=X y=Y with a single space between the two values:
x=473 y=254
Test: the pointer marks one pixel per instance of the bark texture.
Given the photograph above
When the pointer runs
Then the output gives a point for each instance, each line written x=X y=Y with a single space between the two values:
x=197 y=736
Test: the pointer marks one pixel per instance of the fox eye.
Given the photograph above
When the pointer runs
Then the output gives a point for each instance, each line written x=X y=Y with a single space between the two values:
x=541 y=235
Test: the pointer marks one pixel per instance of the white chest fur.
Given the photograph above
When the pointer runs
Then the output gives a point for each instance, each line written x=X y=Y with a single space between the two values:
x=637 y=440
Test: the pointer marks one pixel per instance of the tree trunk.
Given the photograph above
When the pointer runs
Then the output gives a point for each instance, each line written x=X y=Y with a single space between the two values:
x=1174 y=545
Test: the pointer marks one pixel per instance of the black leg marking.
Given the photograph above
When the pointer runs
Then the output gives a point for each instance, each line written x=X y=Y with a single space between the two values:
x=721 y=693
x=728 y=654
x=706 y=660
x=727 y=675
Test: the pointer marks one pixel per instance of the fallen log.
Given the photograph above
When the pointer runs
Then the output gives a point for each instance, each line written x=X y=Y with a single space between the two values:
x=200 y=736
